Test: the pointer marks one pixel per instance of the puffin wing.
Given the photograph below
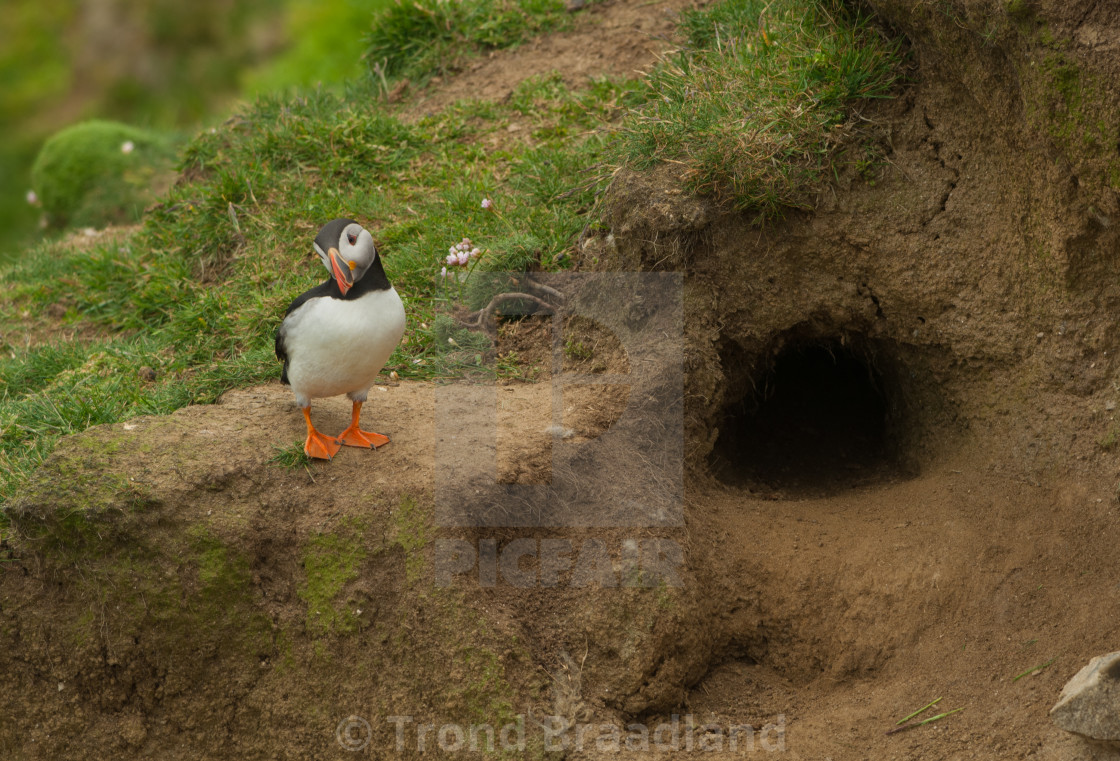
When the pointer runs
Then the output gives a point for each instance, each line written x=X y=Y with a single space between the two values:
x=328 y=288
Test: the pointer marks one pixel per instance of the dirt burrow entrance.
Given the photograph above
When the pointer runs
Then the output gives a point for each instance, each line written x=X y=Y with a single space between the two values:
x=813 y=414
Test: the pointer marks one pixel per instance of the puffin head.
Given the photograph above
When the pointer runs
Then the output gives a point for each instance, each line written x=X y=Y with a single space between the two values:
x=347 y=251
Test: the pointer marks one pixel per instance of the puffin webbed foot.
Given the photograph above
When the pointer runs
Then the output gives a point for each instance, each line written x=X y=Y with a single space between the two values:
x=354 y=436
x=318 y=446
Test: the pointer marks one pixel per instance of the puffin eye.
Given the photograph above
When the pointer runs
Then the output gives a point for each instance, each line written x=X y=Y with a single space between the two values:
x=352 y=238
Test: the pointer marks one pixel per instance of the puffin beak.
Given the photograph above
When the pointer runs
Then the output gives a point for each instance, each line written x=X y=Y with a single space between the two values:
x=343 y=271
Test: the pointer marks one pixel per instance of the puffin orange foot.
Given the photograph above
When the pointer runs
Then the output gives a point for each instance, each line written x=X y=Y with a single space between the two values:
x=321 y=447
x=355 y=437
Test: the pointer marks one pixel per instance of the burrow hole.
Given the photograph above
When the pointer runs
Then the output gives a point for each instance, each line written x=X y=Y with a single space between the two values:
x=810 y=415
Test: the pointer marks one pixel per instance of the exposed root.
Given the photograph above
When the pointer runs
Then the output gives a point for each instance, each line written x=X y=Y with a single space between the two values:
x=547 y=300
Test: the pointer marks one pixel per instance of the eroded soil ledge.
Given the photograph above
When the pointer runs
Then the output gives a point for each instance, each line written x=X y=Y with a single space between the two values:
x=932 y=511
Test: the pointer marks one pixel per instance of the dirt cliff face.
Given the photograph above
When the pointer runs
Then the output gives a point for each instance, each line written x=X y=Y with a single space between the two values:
x=969 y=264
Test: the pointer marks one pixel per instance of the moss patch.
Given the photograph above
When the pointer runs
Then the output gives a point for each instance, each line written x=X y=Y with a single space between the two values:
x=330 y=561
x=410 y=533
x=100 y=172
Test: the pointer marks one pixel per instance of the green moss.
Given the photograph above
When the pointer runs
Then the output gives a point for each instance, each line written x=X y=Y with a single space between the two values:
x=485 y=692
x=330 y=561
x=103 y=443
x=99 y=172
x=410 y=533
x=217 y=571
x=1070 y=105
x=666 y=596
x=76 y=503
x=1109 y=440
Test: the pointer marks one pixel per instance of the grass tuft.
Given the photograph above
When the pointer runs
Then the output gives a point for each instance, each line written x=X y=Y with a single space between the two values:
x=291 y=456
x=418 y=38
x=758 y=100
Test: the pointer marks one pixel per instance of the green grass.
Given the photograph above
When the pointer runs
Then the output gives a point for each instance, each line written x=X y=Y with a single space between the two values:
x=757 y=103
x=198 y=292
x=1033 y=670
x=418 y=38
x=290 y=456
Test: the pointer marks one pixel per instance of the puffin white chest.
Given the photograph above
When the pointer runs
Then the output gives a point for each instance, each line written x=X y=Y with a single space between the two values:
x=338 y=346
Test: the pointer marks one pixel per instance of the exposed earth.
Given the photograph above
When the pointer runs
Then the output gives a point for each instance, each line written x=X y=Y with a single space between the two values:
x=899 y=482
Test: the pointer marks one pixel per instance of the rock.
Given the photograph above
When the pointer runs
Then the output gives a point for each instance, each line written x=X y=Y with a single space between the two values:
x=1090 y=702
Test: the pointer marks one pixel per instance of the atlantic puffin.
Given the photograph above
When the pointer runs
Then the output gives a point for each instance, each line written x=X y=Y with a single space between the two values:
x=336 y=337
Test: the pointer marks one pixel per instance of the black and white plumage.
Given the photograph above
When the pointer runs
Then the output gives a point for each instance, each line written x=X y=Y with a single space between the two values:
x=336 y=337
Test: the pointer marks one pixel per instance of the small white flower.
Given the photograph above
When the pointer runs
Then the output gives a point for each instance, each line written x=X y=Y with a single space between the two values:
x=475 y=253
x=487 y=203
x=128 y=146
x=452 y=251
x=453 y=258
x=452 y=341
x=464 y=257
x=32 y=198
x=443 y=272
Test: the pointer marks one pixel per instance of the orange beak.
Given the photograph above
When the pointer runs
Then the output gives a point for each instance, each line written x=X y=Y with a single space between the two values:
x=343 y=271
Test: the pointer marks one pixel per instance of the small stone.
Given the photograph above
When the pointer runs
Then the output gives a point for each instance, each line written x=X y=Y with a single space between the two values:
x=147 y=374
x=1110 y=405
x=1090 y=702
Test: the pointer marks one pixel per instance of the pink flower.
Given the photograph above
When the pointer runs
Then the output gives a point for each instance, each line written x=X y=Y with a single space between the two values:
x=464 y=257
x=453 y=258
x=487 y=203
x=443 y=272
